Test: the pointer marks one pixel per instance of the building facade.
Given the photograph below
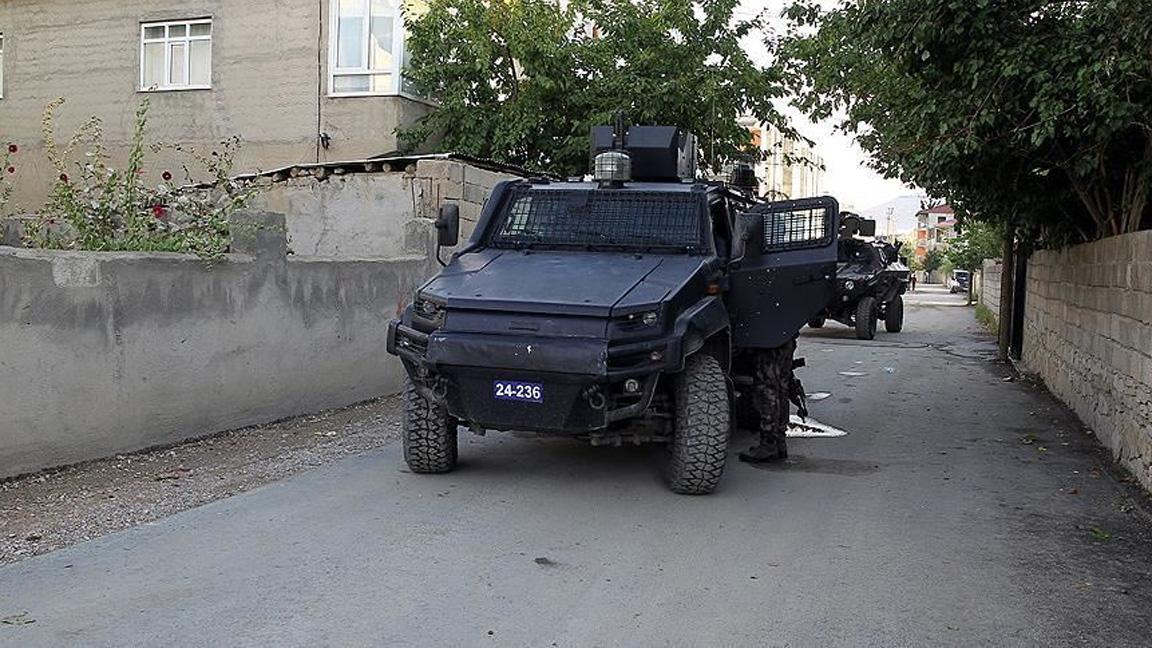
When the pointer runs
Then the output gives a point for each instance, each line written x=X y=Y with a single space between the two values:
x=935 y=228
x=788 y=168
x=298 y=81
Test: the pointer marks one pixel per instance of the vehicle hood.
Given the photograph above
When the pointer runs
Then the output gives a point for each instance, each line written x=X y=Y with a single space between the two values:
x=559 y=282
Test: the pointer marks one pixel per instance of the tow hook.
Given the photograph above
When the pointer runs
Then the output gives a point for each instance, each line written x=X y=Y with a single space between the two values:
x=594 y=397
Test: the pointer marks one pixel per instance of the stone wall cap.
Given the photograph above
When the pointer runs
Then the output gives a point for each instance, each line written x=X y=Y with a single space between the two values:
x=387 y=163
x=41 y=254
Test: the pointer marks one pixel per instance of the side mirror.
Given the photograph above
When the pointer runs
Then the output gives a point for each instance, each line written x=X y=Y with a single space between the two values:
x=448 y=225
x=748 y=227
x=867 y=228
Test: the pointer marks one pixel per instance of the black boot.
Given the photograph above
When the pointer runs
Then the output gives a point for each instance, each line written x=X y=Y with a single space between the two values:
x=771 y=448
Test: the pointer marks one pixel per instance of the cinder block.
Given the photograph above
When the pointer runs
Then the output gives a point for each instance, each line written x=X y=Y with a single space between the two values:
x=259 y=233
x=476 y=194
x=450 y=170
x=447 y=190
x=484 y=177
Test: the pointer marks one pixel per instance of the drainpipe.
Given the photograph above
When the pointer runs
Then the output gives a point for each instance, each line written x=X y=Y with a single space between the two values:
x=319 y=74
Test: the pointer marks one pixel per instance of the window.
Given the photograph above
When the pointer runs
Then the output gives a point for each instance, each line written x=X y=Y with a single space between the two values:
x=365 y=52
x=176 y=55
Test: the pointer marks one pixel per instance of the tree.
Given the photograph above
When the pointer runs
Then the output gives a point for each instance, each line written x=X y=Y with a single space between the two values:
x=977 y=241
x=524 y=81
x=1032 y=112
x=932 y=261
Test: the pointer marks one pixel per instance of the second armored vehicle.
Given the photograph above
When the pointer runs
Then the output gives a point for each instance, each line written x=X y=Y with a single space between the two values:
x=871 y=279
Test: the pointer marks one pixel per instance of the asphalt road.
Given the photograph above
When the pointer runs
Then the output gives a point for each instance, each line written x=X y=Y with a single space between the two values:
x=960 y=510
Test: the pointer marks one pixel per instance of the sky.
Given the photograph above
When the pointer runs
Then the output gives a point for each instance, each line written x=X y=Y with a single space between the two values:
x=847 y=175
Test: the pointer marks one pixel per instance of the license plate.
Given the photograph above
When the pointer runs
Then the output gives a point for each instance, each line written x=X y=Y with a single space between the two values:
x=513 y=390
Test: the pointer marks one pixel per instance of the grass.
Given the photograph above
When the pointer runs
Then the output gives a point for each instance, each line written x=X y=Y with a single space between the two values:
x=987 y=318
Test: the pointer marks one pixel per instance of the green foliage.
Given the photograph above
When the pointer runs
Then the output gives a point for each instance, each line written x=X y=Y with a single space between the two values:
x=97 y=207
x=523 y=81
x=933 y=260
x=975 y=242
x=987 y=319
x=1035 y=112
x=7 y=172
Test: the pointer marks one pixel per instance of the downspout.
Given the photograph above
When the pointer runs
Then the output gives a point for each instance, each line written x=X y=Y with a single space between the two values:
x=319 y=74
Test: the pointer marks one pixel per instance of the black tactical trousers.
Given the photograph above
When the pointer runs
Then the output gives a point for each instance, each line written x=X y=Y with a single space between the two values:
x=772 y=387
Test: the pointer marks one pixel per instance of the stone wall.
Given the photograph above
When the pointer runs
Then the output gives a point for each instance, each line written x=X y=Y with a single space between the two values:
x=989 y=285
x=1088 y=334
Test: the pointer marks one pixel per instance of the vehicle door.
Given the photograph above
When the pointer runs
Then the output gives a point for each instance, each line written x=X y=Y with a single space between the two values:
x=784 y=269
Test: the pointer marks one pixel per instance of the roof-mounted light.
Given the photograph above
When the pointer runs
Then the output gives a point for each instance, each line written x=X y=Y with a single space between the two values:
x=612 y=167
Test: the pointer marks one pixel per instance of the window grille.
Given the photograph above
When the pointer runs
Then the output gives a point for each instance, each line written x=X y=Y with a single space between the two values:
x=626 y=219
x=797 y=229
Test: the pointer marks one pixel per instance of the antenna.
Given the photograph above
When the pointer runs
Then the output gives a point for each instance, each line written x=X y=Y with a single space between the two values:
x=619 y=132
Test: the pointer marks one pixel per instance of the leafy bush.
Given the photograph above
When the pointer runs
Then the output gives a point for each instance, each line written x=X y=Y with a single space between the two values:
x=97 y=207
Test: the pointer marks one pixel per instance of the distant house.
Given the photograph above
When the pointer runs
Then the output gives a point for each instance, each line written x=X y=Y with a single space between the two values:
x=298 y=81
x=935 y=228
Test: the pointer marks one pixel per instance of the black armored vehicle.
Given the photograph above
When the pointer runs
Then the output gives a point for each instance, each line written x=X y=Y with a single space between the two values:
x=871 y=279
x=616 y=310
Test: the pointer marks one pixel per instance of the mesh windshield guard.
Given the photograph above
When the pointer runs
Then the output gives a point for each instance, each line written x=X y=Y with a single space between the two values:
x=796 y=229
x=603 y=218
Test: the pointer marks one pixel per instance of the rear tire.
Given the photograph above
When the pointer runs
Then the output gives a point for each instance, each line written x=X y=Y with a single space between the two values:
x=429 y=433
x=698 y=450
x=894 y=315
x=866 y=318
x=816 y=322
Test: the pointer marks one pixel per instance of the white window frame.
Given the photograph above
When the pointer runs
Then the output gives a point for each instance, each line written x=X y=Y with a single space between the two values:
x=399 y=37
x=167 y=42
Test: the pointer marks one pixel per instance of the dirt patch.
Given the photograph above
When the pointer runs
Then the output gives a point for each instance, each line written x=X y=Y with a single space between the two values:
x=46 y=511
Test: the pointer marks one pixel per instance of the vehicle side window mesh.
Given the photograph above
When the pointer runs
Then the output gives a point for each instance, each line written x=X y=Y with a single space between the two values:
x=800 y=228
x=604 y=218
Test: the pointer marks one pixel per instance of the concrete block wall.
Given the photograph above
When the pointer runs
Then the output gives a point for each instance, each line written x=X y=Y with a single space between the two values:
x=1088 y=334
x=989 y=285
x=377 y=215
x=104 y=353
x=109 y=352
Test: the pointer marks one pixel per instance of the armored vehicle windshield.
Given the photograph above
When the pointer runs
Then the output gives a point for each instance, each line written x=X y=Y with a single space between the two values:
x=656 y=220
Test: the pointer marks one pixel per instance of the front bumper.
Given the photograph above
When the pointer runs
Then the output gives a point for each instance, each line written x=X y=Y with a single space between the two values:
x=583 y=378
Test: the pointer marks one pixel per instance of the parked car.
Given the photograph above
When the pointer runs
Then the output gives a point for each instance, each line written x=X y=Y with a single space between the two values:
x=959 y=281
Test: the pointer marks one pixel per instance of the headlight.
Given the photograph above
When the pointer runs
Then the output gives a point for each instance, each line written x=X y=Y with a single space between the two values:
x=428 y=310
x=849 y=285
x=649 y=318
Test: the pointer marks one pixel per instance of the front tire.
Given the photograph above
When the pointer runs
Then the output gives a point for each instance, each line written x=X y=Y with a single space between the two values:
x=894 y=315
x=866 y=318
x=698 y=450
x=429 y=433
